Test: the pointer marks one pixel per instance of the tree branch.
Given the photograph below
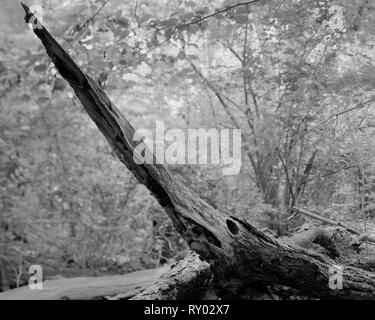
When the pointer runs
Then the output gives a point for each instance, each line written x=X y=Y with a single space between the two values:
x=219 y=11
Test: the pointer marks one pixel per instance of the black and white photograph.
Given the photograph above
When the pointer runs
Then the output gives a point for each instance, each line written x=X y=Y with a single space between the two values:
x=187 y=150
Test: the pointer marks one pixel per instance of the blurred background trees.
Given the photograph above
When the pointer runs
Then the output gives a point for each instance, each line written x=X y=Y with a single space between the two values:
x=296 y=76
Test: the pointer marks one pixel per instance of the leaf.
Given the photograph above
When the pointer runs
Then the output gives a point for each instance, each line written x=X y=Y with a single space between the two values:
x=40 y=82
x=118 y=14
x=42 y=100
x=241 y=10
x=169 y=32
x=190 y=4
x=123 y=22
x=25 y=97
x=80 y=7
x=247 y=72
x=146 y=17
x=170 y=22
x=241 y=18
x=187 y=16
x=370 y=207
x=192 y=56
x=40 y=68
x=121 y=33
x=202 y=11
x=59 y=84
x=181 y=55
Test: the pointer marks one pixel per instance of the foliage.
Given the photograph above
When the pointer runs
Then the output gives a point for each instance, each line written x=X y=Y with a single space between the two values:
x=296 y=76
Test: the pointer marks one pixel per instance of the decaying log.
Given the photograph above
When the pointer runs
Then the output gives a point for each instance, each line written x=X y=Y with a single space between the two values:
x=85 y=288
x=188 y=279
x=362 y=236
x=365 y=263
x=318 y=236
x=237 y=252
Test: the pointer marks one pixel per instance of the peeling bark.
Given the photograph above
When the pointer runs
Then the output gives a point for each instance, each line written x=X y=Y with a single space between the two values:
x=84 y=288
x=316 y=236
x=188 y=279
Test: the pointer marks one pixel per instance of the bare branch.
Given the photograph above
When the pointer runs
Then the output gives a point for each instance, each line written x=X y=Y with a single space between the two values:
x=222 y=10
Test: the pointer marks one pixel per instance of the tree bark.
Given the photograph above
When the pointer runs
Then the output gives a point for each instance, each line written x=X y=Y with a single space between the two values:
x=316 y=236
x=361 y=236
x=85 y=288
x=188 y=279
x=237 y=252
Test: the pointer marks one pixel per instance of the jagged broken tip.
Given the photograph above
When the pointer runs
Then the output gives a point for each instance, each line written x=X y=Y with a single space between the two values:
x=25 y=7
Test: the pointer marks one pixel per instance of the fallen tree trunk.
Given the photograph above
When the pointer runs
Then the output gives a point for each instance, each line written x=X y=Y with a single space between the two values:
x=365 y=263
x=237 y=252
x=362 y=236
x=84 y=288
x=316 y=236
x=188 y=279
